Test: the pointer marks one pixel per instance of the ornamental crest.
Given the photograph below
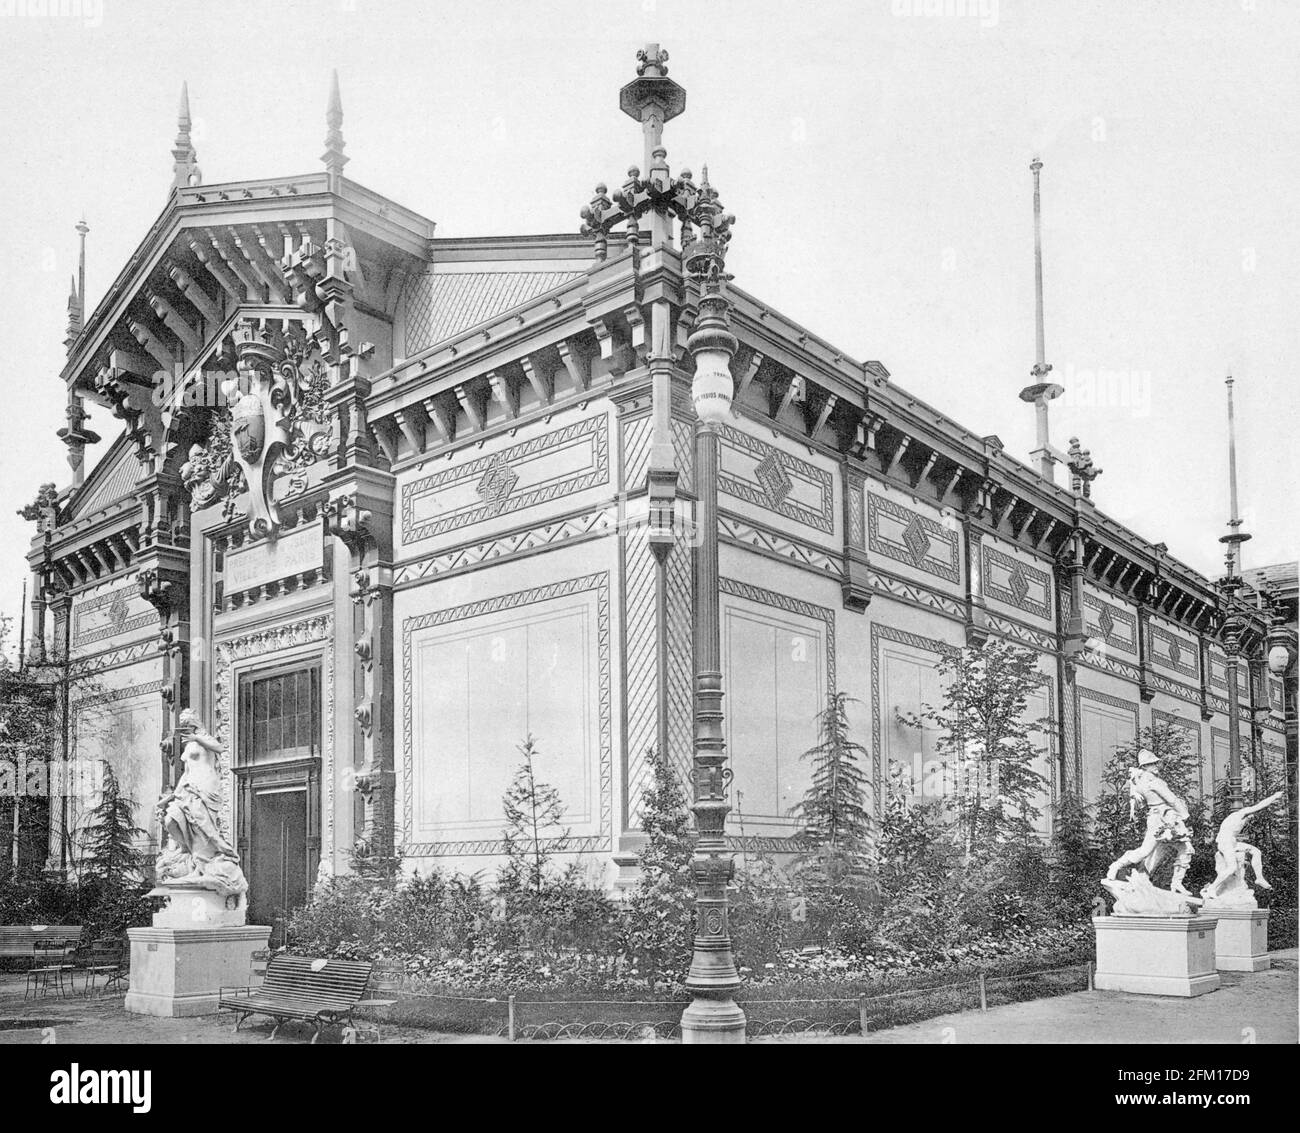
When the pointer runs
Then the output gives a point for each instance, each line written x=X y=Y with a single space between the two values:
x=248 y=427
x=277 y=422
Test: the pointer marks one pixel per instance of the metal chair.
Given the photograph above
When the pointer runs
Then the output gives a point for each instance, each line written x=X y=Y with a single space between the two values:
x=50 y=964
x=107 y=958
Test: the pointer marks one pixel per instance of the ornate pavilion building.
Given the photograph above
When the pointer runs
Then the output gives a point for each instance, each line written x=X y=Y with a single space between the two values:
x=381 y=507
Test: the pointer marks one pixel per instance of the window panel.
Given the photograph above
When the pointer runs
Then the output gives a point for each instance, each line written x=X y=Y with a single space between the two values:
x=280 y=716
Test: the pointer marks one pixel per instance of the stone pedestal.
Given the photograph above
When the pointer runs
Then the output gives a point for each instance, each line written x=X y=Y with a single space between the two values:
x=1241 y=940
x=198 y=944
x=1156 y=955
x=180 y=971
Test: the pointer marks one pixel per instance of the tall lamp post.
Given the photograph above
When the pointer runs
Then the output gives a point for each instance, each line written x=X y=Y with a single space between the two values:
x=1229 y=585
x=713 y=1015
x=652 y=98
x=1283 y=648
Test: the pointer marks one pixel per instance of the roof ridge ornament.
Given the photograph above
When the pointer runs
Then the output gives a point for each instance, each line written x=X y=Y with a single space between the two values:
x=334 y=157
x=1082 y=469
x=185 y=167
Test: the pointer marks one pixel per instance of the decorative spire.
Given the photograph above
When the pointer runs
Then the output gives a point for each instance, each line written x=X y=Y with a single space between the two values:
x=82 y=229
x=185 y=169
x=74 y=317
x=1235 y=536
x=334 y=157
x=1040 y=391
x=77 y=293
x=652 y=98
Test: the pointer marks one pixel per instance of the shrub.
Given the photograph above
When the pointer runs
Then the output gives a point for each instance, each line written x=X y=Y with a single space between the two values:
x=657 y=922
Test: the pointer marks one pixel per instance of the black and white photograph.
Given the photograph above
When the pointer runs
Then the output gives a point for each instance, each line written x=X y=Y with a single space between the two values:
x=647 y=523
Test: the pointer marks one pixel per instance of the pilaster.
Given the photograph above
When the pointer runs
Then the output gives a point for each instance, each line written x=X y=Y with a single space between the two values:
x=360 y=516
x=856 y=587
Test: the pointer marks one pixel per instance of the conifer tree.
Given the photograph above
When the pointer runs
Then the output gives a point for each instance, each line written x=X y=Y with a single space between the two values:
x=833 y=811
x=659 y=917
x=534 y=830
x=110 y=847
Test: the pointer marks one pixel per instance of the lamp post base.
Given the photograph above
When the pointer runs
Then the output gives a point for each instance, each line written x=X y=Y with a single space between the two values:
x=713 y=1021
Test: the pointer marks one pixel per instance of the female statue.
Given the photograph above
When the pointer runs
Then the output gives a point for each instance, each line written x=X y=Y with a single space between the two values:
x=195 y=850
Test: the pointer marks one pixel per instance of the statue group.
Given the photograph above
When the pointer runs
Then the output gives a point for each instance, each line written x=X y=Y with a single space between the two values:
x=195 y=851
x=1167 y=834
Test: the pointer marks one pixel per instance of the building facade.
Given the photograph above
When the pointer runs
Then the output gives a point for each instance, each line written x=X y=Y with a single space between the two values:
x=379 y=511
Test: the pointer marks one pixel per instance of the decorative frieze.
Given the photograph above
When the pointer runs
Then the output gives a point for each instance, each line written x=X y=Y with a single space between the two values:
x=915 y=593
x=110 y=614
x=1016 y=584
x=778 y=546
x=1173 y=651
x=1105 y=662
x=907 y=536
x=774 y=480
x=1018 y=631
x=557 y=463
x=512 y=544
x=1111 y=624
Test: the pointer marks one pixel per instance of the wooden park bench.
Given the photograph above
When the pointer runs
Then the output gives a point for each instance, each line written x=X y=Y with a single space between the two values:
x=19 y=941
x=319 y=992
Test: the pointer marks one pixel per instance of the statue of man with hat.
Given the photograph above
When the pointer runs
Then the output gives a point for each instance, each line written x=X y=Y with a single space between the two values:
x=1166 y=824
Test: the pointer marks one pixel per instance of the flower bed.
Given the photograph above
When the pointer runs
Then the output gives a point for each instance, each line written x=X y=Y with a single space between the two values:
x=816 y=990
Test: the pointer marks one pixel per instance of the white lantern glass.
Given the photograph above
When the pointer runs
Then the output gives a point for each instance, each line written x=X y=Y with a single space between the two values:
x=711 y=389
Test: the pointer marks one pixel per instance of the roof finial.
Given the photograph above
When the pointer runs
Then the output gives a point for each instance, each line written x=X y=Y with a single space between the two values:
x=77 y=291
x=82 y=229
x=1235 y=536
x=334 y=157
x=185 y=170
x=1040 y=391
x=652 y=98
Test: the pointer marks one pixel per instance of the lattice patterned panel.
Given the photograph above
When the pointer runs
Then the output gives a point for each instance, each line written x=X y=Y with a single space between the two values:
x=681 y=659
x=636 y=452
x=642 y=667
x=642 y=684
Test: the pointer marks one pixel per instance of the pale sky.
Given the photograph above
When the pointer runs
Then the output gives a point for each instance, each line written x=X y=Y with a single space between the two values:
x=875 y=154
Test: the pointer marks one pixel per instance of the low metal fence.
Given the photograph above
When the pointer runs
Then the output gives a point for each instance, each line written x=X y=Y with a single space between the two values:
x=521 y=1017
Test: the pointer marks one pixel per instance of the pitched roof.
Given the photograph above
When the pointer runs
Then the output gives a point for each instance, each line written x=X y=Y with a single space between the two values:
x=442 y=304
x=1279 y=575
x=113 y=478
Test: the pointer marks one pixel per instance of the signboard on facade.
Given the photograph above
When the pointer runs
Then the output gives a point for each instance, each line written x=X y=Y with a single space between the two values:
x=271 y=560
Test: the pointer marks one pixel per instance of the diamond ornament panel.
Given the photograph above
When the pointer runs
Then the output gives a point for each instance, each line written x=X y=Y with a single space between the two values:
x=771 y=476
x=916 y=541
